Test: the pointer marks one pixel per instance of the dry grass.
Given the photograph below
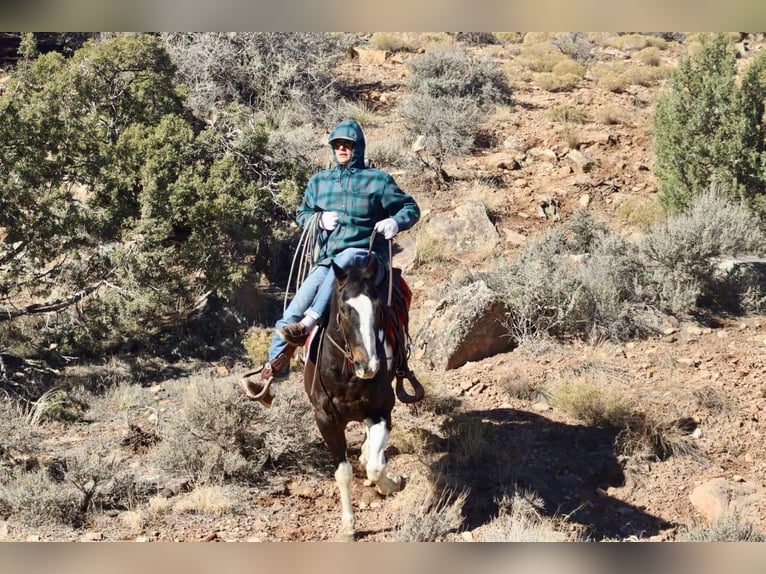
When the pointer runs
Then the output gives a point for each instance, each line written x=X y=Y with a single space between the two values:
x=208 y=500
x=567 y=114
x=433 y=518
x=729 y=528
x=640 y=212
x=431 y=250
x=592 y=404
x=521 y=518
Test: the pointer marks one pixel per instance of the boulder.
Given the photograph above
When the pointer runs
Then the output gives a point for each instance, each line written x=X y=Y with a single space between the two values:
x=466 y=232
x=719 y=498
x=466 y=325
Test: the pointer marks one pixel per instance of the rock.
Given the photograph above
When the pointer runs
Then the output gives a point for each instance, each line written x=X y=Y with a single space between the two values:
x=584 y=200
x=466 y=231
x=542 y=154
x=467 y=325
x=92 y=537
x=371 y=56
x=581 y=161
x=719 y=497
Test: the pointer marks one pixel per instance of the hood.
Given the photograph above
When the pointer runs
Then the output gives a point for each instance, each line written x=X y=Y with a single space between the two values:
x=349 y=130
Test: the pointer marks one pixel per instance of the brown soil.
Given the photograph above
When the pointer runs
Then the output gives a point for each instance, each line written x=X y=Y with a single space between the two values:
x=708 y=375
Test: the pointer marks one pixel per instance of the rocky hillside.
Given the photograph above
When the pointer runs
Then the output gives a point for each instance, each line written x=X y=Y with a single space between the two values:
x=654 y=439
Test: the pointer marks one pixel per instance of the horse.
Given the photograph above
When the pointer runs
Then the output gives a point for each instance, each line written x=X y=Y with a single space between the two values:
x=348 y=377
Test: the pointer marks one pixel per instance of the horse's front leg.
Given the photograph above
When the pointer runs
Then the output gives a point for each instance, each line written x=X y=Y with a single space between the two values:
x=335 y=439
x=377 y=438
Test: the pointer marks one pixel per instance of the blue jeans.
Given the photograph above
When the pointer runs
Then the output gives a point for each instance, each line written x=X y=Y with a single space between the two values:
x=315 y=293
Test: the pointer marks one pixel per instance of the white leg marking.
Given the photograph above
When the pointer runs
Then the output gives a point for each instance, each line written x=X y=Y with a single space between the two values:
x=343 y=475
x=376 y=459
x=363 y=307
x=364 y=455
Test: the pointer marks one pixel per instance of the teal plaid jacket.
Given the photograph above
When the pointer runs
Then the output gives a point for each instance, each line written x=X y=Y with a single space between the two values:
x=361 y=196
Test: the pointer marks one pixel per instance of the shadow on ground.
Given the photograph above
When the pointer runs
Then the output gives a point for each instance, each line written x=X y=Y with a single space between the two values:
x=568 y=466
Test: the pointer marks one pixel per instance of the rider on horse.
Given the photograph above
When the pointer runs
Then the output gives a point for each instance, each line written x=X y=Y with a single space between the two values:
x=350 y=203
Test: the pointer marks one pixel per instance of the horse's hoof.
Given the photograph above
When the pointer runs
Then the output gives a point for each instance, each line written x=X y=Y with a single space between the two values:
x=389 y=484
x=346 y=535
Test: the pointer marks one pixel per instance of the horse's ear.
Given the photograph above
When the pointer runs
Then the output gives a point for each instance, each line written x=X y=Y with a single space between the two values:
x=340 y=274
x=371 y=270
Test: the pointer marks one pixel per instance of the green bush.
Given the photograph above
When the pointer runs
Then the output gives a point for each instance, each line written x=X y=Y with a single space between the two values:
x=708 y=128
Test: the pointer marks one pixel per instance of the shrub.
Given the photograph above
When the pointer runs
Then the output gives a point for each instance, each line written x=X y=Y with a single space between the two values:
x=576 y=45
x=567 y=113
x=452 y=73
x=556 y=82
x=641 y=212
x=729 y=528
x=446 y=127
x=708 y=129
x=390 y=42
x=270 y=71
x=678 y=258
x=649 y=56
x=592 y=404
x=220 y=437
x=569 y=68
x=613 y=82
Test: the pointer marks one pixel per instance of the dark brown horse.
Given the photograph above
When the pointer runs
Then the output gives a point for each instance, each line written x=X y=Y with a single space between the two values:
x=349 y=378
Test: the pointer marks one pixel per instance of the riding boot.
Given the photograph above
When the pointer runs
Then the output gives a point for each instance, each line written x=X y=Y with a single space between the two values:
x=276 y=369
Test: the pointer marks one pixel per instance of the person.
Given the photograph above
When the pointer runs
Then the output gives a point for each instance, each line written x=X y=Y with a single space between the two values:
x=353 y=200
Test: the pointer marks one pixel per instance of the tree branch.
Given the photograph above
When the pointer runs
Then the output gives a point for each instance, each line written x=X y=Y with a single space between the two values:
x=50 y=306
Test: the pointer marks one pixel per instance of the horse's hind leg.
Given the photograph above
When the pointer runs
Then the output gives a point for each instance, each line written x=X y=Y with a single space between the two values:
x=377 y=438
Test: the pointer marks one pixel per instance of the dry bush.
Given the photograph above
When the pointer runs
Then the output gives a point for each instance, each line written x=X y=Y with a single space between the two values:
x=521 y=518
x=212 y=500
x=641 y=212
x=436 y=40
x=362 y=112
x=256 y=342
x=539 y=57
x=567 y=113
x=18 y=438
x=576 y=45
x=714 y=400
x=634 y=42
x=729 y=528
x=569 y=68
x=649 y=56
x=218 y=436
x=392 y=42
x=645 y=436
x=553 y=82
x=390 y=151
x=678 y=257
x=431 y=250
x=616 y=83
x=592 y=404
x=510 y=37
x=610 y=115
x=38 y=500
x=434 y=517
x=520 y=386
x=646 y=76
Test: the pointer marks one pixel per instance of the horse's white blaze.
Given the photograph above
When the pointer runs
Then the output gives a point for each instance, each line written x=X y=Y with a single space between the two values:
x=363 y=307
x=377 y=438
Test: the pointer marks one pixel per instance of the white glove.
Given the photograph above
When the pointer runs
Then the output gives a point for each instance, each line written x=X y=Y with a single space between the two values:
x=388 y=227
x=328 y=220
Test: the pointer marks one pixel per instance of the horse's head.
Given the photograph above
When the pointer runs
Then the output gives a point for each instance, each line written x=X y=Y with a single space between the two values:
x=359 y=315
